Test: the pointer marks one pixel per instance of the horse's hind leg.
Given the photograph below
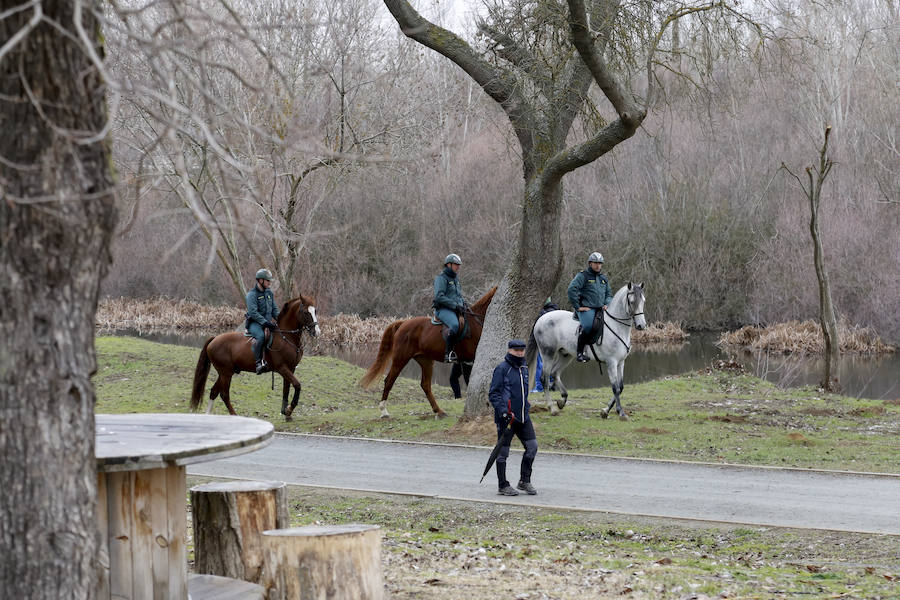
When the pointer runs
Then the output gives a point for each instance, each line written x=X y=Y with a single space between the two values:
x=224 y=385
x=397 y=365
x=427 y=366
x=214 y=393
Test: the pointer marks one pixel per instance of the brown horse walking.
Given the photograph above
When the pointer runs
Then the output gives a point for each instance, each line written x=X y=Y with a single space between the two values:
x=231 y=353
x=419 y=339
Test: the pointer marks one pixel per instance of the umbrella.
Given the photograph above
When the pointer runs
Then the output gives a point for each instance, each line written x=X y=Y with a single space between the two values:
x=504 y=440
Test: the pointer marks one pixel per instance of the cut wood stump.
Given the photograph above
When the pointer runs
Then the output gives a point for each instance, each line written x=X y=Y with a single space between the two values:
x=323 y=563
x=229 y=518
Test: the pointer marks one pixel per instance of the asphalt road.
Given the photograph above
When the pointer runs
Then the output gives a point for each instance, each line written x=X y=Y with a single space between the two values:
x=748 y=495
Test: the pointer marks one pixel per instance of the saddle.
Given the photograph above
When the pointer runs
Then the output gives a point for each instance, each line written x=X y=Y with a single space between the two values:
x=268 y=337
x=464 y=331
x=596 y=328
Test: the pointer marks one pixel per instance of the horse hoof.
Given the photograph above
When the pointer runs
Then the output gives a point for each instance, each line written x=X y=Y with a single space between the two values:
x=385 y=416
x=440 y=415
x=623 y=417
x=562 y=402
x=603 y=414
x=288 y=418
x=554 y=412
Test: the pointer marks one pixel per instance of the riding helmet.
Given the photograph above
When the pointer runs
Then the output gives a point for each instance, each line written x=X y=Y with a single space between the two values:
x=264 y=274
x=595 y=257
x=453 y=258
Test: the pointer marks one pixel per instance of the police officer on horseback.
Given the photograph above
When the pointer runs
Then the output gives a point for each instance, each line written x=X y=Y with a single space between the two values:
x=589 y=292
x=262 y=313
x=448 y=303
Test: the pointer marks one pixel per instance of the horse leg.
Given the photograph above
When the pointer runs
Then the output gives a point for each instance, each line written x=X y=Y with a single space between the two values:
x=284 y=396
x=396 y=366
x=561 y=403
x=224 y=384
x=427 y=366
x=288 y=376
x=213 y=394
x=621 y=377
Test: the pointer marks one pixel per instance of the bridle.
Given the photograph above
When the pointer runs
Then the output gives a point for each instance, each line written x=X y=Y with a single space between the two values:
x=310 y=329
x=629 y=320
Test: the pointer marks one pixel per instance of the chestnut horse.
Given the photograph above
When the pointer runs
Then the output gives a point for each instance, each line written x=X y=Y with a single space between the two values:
x=419 y=339
x=231 y=353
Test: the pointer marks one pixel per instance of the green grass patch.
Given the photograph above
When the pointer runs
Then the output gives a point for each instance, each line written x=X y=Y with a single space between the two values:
x=445 y=549
x=714 y=417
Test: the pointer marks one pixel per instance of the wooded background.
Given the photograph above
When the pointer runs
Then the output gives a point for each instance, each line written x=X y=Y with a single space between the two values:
x=315 y=139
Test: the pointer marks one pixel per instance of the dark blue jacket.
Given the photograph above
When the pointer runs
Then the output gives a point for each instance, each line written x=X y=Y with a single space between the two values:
x=261 y=306
x=447 y=291
x=509 y=389
x=590 y=290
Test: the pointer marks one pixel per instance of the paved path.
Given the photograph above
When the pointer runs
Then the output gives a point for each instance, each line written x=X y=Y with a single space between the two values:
x=757 y=496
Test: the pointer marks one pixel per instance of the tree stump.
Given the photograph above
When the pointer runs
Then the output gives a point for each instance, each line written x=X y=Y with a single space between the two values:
x=323 y=563
x=229 y=518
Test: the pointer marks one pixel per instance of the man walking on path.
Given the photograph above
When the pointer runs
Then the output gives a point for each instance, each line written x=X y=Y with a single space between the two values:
x=509 y=396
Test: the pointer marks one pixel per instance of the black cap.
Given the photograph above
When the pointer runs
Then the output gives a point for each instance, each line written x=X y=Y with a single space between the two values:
x=516 y=345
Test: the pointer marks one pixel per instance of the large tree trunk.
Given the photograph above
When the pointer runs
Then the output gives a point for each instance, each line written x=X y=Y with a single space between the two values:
x=535 y=268
x=56 y=217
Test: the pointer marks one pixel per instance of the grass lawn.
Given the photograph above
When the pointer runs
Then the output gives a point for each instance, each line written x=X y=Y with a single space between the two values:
x=715 y=416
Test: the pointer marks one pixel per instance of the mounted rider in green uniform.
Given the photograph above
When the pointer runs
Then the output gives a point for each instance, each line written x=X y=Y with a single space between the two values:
x=588 y=293
x=448 y=303
x=262 y=313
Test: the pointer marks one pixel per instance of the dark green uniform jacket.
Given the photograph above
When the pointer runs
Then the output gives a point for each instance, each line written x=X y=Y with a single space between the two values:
x=447 y=291
x=261 y=306
x=590 y=290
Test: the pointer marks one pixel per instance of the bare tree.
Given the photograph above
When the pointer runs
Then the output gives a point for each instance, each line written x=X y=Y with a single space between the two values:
x=57 y=214
x=538 y=62
x=816 y=176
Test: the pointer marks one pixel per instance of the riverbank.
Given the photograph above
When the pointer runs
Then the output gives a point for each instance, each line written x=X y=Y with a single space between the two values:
x=168 y=314
x=716 y=415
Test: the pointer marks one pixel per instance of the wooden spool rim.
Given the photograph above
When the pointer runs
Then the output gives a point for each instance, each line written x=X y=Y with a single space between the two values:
x=321 y=530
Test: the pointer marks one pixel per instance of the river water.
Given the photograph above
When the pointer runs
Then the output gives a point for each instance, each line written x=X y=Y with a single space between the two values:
x=860 y=376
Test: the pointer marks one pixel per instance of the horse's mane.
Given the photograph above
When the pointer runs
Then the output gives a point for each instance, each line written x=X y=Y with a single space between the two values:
x=304 y=300
x=481 y=305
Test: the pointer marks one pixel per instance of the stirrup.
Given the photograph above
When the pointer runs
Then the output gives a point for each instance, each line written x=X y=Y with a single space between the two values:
x=450 y=357
x=260 y=366
x=582 y=357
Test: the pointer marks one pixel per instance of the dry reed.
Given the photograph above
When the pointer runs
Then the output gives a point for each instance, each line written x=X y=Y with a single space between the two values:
x=804 y=337
x=168 y=314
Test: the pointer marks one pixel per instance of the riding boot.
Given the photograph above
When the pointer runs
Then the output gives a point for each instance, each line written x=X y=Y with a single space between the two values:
x=259 y=347
x=449 y=354
x=582 y=340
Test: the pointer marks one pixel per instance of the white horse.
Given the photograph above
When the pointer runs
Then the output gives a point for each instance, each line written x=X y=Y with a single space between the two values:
x=555 y=335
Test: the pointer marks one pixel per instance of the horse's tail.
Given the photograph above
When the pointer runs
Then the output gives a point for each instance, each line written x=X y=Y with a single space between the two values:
x=200 y=375
x=384 y=353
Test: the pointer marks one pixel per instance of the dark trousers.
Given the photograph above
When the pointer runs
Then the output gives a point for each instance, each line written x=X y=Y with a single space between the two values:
x=525 y=433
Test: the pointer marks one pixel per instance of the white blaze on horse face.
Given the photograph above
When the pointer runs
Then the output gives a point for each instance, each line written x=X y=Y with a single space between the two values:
x=639 y=321
x=312 y=313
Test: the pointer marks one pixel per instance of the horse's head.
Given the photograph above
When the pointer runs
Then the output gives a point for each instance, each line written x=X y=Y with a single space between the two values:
x=299 y=313
x=634 y=301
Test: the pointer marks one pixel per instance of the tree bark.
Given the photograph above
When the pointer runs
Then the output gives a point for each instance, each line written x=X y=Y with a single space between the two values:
x=324 y=563
x=229 y=518
x=57 y=214
x=827 y=317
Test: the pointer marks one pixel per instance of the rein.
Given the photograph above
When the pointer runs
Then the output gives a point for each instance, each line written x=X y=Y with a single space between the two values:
x=477 y=317
x=626 y=321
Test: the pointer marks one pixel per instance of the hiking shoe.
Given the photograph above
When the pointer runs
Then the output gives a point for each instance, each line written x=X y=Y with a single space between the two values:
x=260 y=366
x=507 y=490
x=526 y=487
x=581 y=357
